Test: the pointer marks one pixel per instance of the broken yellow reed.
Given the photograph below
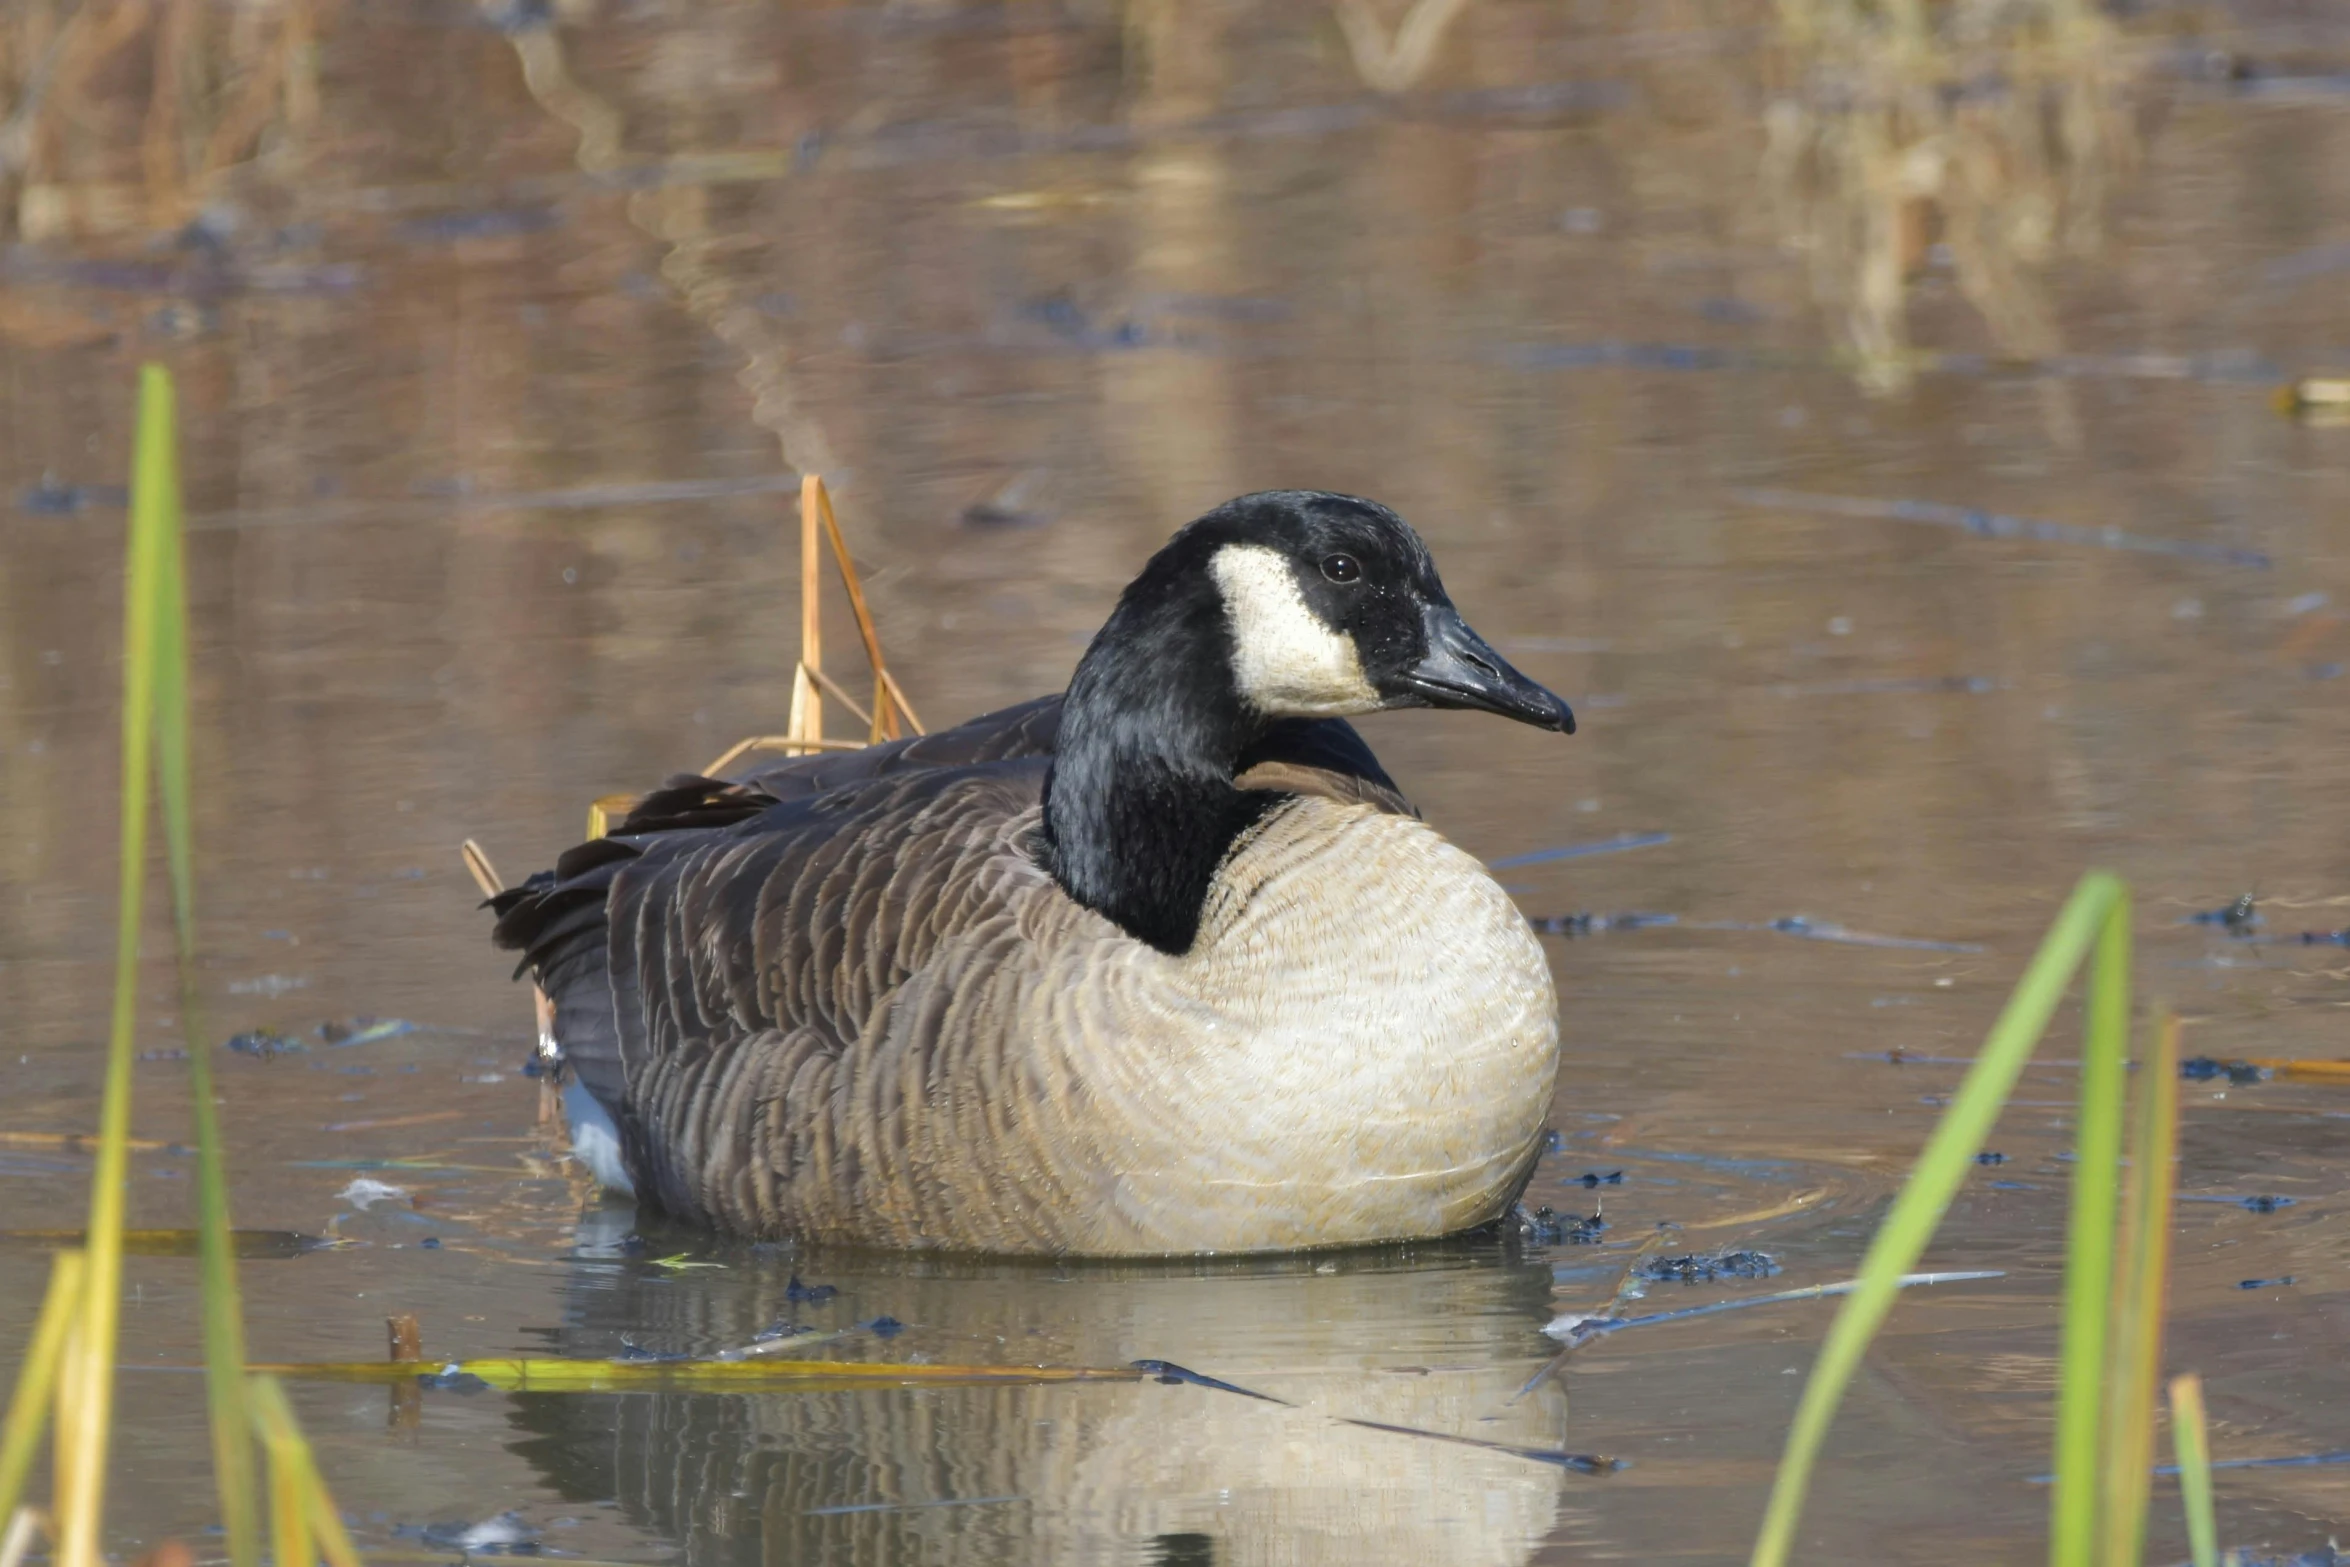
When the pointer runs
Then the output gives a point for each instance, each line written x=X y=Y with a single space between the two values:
x=897 y=696
x=617 y=1376
x=882 y=720
x=832 y=688
x=36 y=1379
x=890 y=714
x=76 y=1142
x=2142 y=1268
x=69 y=1413
x=477 y=865
x=303 y=1517
x=2188 y=1435
x=807 y=703
x=2305 y=1071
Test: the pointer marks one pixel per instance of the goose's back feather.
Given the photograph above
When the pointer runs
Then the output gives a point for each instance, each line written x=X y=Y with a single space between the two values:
x=843 y=999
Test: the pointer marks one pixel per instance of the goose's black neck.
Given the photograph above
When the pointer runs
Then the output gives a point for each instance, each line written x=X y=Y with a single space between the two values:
x=1140 y=807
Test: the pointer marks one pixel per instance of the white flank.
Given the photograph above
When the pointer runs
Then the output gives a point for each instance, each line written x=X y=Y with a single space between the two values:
x=1286 y=662
x=595 y=1140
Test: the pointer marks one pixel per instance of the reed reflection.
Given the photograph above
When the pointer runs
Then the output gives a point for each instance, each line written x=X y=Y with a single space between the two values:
x=1090 y=1472
x=1998 y=130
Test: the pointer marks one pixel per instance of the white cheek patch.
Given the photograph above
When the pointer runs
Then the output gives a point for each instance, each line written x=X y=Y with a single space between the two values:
x=1285 y=661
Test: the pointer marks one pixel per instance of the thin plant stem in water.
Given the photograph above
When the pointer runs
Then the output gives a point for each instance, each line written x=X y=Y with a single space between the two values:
x=2134 y=1365
x=156 y=526
x=89 y=1385
x=2089 y=1248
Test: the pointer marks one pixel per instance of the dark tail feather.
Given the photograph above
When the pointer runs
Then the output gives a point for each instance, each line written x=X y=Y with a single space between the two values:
x=556 y=921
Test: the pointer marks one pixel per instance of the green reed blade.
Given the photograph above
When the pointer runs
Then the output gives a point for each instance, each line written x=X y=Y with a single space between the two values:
x=1948 y=1156
x=81 y=1497
x=2088 y=1250
x=2194 y=1449
x=2134 y=1360
x=224 y=1312
x=36 y=1379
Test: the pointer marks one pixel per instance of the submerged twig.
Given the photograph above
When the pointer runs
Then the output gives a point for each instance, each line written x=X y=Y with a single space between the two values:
x=1580 y=1463
x=1168 y=1371
x=1580 y=851
x=1809 y=929
x=1998 y=525
x=1575 y=1331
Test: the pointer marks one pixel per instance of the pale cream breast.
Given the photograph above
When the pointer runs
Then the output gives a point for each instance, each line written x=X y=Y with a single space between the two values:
x=1362 y=1045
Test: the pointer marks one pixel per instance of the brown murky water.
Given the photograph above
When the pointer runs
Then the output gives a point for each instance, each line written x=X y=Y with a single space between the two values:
x=1708 y=344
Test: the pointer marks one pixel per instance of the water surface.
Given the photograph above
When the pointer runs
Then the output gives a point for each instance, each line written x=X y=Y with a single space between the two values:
x=1910 y=533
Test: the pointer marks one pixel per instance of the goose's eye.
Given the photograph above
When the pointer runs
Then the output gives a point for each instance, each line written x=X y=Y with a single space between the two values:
x=1342 y=568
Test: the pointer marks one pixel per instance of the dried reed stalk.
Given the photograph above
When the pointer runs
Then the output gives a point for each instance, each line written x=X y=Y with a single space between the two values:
x=485 y=875
x=891 y=713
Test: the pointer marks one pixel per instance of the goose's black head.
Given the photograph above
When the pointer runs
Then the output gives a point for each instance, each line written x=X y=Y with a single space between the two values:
x=1283 y=604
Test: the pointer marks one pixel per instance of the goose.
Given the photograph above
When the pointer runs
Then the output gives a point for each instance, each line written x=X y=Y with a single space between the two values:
x=1163 y=965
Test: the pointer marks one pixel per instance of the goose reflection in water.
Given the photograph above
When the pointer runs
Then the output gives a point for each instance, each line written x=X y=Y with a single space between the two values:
x=1439 y=1340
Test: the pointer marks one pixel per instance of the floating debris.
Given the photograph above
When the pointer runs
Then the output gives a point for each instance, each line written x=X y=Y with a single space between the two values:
x=1590 y=1178
x=1546 y=1227
x=363 y=1030
x=2205 y=1069
x=265 y=1043
x=1813 y=930
x=504 y=1535
x=1582 y=851
x=452 y=1378
x=1989 y=1157
x=272 y=985
x=2255 y=1204
x=885 y=1327
x=365 y=1192
x=1996 y=525
x=48 y=498
x=2239 y=918
x=1597 y=924
x=1701 y=1269
x=2267 y=1284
